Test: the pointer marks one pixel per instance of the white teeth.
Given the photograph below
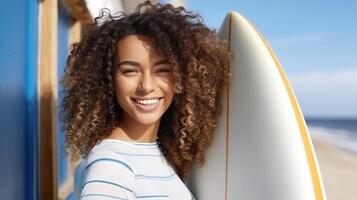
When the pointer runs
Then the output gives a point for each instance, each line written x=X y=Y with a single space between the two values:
x=146 y=101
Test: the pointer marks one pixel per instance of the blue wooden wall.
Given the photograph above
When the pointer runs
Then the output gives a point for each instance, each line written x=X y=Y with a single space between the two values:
x=18 y=99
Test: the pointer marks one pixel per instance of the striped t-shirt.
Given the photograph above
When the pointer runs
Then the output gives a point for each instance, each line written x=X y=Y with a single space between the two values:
x=117 y=169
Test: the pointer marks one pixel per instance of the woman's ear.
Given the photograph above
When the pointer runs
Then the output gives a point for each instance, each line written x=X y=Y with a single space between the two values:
x=178 y=88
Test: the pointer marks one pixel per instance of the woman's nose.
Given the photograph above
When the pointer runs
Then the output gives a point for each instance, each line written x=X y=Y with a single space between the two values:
x=147 y=83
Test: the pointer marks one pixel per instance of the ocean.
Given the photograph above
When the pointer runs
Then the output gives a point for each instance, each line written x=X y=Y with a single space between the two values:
x=341 y=133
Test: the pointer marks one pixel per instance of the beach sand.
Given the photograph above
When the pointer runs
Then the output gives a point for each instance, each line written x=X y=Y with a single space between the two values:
x=338 y=170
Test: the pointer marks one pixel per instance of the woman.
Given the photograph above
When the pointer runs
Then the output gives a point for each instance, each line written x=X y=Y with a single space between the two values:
x=141 y=101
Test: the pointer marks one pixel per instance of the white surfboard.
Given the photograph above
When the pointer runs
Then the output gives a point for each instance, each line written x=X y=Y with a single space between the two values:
x=261 y=148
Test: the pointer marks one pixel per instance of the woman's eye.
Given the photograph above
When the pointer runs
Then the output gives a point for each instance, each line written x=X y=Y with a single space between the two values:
x=129 y=71
x=164 y=70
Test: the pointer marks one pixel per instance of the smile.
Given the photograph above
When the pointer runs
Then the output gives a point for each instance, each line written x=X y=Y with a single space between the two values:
x=147 y=101
x=146 y=104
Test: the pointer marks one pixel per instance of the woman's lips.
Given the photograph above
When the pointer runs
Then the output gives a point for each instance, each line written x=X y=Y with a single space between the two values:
x=146 y=105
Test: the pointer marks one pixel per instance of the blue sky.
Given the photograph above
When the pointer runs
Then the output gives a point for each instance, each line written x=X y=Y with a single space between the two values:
x=315 y=41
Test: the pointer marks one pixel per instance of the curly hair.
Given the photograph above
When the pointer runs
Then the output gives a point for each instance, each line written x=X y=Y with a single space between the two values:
x=90 y=111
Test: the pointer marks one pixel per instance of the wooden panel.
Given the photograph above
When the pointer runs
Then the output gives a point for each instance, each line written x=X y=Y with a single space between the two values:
x=79 y=11
x=75 y=32
x=67 y=187
x=48 y=95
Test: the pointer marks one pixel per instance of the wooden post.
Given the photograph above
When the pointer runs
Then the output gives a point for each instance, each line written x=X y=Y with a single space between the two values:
x=47 y=97
x=67 y=187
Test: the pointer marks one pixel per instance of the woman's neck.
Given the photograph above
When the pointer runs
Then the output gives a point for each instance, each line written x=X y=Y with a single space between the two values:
x=131 y=130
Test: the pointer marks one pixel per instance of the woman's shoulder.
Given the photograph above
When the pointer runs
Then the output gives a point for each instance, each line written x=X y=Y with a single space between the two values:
x=105 y=170
x=105 y=164
x=105 y=154
x=132 y=155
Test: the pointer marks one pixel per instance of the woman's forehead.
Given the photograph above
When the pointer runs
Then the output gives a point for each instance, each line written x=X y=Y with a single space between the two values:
x=136 y=39
x=137 y=48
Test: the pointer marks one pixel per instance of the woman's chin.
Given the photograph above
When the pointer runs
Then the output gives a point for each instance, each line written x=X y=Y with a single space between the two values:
x=147 y=119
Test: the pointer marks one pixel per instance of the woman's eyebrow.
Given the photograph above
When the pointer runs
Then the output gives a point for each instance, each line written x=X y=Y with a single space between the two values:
x=128 y=62
x=136 y=64
x=160 y=62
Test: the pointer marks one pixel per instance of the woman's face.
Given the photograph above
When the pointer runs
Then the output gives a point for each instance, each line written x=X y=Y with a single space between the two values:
x=143 y=80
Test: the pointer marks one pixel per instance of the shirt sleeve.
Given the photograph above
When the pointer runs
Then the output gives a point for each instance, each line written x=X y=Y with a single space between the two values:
x=107 y=176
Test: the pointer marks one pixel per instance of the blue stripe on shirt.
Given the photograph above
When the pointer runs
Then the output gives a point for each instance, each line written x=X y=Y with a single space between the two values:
x=115 y=184
x=107 y=182
x=102 y=195
x=151 y=196
x=111 y=160
x=141 y=176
